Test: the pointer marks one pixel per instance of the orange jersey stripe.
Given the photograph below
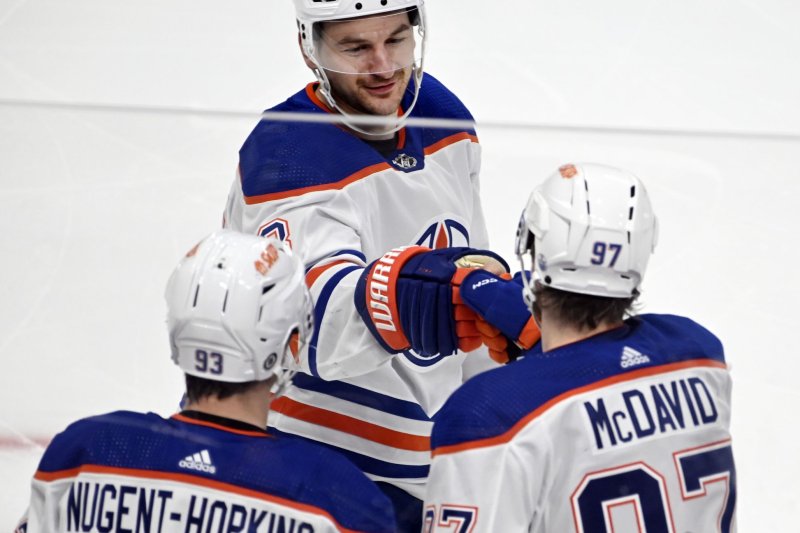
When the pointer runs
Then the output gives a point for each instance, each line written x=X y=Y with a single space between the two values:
x=356 y=176
x=353 y=426
x=621 y=378
x=447 y=141
x=188 y=479
x=363 y=173
x=314 y=274
x=311 y=92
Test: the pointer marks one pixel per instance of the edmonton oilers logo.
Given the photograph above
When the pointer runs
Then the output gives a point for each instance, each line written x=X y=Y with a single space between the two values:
x=405 y=161
x=443 y=234
x=438 y=233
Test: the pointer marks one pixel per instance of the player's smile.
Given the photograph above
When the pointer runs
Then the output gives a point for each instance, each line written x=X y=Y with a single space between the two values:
x=381 y=89
x=374 y=94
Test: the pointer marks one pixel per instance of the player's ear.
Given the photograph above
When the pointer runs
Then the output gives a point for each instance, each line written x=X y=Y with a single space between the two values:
x=310 y=64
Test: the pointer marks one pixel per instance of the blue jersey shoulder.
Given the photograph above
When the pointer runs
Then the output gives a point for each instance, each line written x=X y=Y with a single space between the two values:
x=281 y=466
x=77 y=444
x=437 y=101
x=491 y=403
x=280 y=157
x=285 y=156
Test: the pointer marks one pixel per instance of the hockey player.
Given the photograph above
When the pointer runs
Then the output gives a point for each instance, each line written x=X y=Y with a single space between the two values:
x=612 y=424
x=237 y=307
x=384 y=356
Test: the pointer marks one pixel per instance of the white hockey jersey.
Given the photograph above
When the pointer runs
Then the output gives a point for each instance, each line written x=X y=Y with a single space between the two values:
x=341 y=204
x=135 y=472
x=627 y=431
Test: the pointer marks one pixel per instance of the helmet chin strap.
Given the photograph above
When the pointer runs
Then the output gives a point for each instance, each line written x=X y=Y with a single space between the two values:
x=348 y=118
x=527 y=284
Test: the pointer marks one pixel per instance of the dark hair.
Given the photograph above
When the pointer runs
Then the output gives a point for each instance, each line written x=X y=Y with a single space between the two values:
x=581 y=311
x=199 y=388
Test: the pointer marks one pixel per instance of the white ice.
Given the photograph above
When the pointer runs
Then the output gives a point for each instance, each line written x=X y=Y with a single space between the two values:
x=99 y=206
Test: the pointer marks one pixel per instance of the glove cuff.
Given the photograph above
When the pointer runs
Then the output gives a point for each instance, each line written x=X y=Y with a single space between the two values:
x=499 y=301
x=379 y=286
x=530 y=334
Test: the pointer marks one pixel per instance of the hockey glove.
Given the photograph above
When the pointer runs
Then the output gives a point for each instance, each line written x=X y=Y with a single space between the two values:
x=406 y=300
x=506 y=325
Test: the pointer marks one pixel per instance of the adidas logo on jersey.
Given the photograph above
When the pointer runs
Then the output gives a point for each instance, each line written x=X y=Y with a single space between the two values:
x=199 y=461
x=631 y=357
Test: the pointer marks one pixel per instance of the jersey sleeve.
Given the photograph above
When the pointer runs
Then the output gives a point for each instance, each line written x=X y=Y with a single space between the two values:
x=42 y=512
x=63 y=454
x=483 y=488
x=323 y=228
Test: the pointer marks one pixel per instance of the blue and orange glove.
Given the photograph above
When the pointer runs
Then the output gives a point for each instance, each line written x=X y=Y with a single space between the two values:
x=505 y=322
x=406 y=299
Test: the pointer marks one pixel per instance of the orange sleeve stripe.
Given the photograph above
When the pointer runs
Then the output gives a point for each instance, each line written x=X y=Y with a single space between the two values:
x=60 y=474
x=447 y=141
x=353 y=426
x=189 y=480
x=621 y=378
x=314 y=274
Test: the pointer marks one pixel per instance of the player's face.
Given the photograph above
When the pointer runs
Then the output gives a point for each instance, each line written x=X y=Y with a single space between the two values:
x=368 y=62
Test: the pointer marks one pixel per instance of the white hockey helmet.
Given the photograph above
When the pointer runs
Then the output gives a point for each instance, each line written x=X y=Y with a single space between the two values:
x=327 y=55
x=590 y=229
x=238 y=309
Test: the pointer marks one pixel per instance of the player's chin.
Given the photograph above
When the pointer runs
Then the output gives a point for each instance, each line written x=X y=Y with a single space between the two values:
x=384 y=102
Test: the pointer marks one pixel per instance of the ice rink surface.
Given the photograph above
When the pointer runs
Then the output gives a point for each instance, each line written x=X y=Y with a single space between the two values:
x=700 y=99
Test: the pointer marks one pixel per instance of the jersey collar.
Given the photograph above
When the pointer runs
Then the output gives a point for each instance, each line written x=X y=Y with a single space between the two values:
x=220 y=422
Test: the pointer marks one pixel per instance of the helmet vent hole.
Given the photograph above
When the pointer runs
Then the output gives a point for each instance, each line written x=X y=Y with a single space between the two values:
x=225 y=301
x=359 y=6
x=548 y=280
x=633 y=191
x=266 y=289
x=623 y=276
x=260 y=311
x=196 y=294
x=588 y=208
x=630 y=213
x=629 y=237
x=384 y=2
x=569 y=270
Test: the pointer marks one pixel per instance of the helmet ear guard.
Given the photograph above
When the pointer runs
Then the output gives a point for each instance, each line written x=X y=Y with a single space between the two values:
x=524 y=245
